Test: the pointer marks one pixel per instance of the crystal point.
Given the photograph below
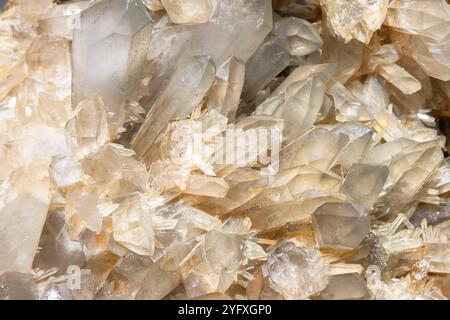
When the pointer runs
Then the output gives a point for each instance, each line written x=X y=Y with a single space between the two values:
x=355 y=19
x=118 y=26
x=340 y=225
x=185 y=90
x=364 y=183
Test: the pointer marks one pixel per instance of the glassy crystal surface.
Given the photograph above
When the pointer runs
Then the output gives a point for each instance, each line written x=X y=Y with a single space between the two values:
x=122 y=27
x=177 y=100
x=189 y=11
x=258 y=73
x=21 y=225
x=154 y=5
x=429 y=18
x=291 y=38
x=237 y=27
x=340 y=225
x=364 y=183
x=57 y=249
x=225 y=93
x=296 y=270
x=355 y=19
x=345 y=287
x=62 y=20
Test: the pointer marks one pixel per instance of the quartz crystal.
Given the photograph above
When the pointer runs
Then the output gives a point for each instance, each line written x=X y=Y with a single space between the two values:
x=109 y=26
x=291 y=38
x=349 y=286
x=429 y=18
x=364 y=183
x=62 y=20
x=225 y=93
x=237 y=26
x=189 y=11
x=296 y=270
x=355 y=19
x=18 y=249
x=224 y=149
x=177 y=99
x=340 y=225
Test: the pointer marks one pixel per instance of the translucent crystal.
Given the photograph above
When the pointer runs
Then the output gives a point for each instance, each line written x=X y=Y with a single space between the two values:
x=86 y=204
x=348 y=57
x=64 y=288
x=215 y=261
x=104 y=27
x=89 y=137
x=304 y=150
x=355 y=19
x=237 y=26
x=57 y=249
x=296 y=211
x=411 y=180
x=184 y=91
x=258 y=73
x=298 y=106
x=340 y=225
x=429 y=18
x=437 y=255
x=61 y=20
x=32 y=9
x=400 y=78
x=126 y=277
x=345 y=287
x=189 y=11
x=364 y=183
x=302 y=36
x=290 y=184
x=133 y=227
x=296 y=270
x=359 y=142
x=384 y=61
x=17 y=286
x=224 y=95
x=431 y=56
x=158 y=283
x=21 y=225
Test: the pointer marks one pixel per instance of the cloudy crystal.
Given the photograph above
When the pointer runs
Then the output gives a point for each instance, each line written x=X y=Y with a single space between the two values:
x=122 y=27
x=340 y=225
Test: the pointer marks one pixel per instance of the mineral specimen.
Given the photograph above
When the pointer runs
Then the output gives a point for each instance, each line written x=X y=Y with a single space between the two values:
x=340 y=225
x=189 y=11
x=296 y=270
x=224 y=149
x=110 y=47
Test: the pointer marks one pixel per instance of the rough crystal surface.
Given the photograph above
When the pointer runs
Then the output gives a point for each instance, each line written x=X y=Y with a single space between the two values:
x=355 y=19
x=296 y=271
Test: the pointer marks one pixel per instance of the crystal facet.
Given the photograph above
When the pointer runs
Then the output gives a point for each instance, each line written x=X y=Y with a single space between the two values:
x=340 y=225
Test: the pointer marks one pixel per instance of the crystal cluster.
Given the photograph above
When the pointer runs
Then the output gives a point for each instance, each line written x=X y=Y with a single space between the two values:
x=224 y=149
